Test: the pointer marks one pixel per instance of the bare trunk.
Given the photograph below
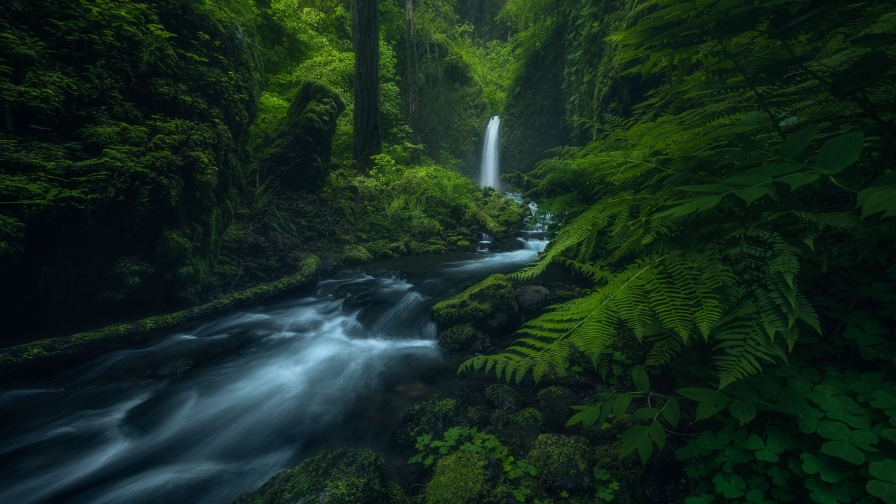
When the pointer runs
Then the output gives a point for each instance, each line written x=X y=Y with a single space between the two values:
x=410 y=36
x=366 y=42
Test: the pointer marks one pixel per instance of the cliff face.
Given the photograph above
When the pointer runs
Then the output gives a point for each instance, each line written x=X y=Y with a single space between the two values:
x=122 y=150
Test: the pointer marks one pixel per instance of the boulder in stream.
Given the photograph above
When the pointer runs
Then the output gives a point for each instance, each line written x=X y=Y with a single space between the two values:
x=459 y=337
x=490 y=304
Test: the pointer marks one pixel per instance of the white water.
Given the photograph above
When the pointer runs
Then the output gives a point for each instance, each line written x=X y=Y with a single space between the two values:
x=490 y=150
x=267 y=388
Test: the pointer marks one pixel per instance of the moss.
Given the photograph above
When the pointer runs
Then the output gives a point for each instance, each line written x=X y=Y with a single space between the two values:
x=300 y=148
x=488 y=304
x=503 y=397
x=555 y=403
x=530 y=417
x=463 y=244
x=433 y=416
x=309 y=270
x=562 y=462
x=339 y=476
x=459 y=337
x=353 y=254
x=459 y=478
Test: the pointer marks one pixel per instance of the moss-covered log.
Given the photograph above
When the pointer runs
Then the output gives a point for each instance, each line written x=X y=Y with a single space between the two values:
x=32 y=357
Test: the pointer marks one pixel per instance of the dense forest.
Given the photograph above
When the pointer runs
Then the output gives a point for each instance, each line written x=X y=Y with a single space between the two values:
x=253 y=233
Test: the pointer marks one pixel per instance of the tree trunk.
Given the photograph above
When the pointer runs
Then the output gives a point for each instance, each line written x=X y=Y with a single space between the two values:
x=366 y=42
x=410 y=36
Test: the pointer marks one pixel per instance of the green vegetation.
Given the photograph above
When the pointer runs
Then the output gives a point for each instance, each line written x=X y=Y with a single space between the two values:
x=338 y=476
x=490 y=304
x=730 y=199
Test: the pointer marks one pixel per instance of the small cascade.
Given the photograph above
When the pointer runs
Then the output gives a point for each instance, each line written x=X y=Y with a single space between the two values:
x=486 y=241
x=535 y=235
x=488 y=177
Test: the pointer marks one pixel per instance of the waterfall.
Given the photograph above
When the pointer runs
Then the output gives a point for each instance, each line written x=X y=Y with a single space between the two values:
x=489 y=174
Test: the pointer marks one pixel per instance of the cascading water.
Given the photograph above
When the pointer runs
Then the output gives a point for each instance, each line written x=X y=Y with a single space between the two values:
x=490 y=148
x=202 y=415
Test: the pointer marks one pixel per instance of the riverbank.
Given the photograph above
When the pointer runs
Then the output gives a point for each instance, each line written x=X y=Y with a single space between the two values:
x=45 y=356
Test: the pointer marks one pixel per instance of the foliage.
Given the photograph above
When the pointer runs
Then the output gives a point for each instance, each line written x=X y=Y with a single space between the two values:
x=124 y=135
x=470 y=439
x=736 y=219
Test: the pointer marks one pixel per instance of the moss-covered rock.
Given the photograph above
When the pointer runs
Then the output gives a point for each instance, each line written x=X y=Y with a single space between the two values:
x=554 y=403
x=433 y=416
x=489 y=304
x=299 y=150
x=340 y=476
x=562 y=462
x=459 y=337
x=353 y=254
x=459 y=478
x=517 y=432
x=503 y=397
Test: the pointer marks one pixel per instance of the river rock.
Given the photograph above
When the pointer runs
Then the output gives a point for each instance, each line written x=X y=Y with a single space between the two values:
x=357 y=300
x=562 y=462
x=490 y=304
x=503 y=397
x=433 y=416
x=532 y=297
x=340 y=476
x=554 y=403
x=460 y=337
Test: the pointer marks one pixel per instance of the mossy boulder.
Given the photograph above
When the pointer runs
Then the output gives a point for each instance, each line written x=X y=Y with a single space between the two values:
x=554 y=403
x=459 y=478
x=459 y=337
x=490 y=304
x=353 y=254
x=433 y=416
x=298 y=152
x=503 y=397
x=563 y=462
x=340 y=476
x=517 y=432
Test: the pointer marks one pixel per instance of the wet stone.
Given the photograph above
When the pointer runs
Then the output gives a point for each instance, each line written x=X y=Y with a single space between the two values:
x=504 y=398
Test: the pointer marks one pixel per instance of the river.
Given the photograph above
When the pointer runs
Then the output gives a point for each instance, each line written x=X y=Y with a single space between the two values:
x=203 y=415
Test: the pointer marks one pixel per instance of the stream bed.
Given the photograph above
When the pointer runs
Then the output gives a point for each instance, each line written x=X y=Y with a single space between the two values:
x=203 y=415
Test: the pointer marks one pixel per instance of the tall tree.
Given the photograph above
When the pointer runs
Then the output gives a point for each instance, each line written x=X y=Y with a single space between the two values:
x=366 y=41
x=410 y=37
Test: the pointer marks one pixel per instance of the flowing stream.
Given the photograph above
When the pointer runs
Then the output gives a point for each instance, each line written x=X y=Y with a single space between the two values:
x=203 y=415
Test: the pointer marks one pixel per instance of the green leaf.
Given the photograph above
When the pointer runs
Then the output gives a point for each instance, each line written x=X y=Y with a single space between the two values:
x=767 y=455
x=838 y=153
x=621 y=404
x=744 y=411
x=797 y=142
x=798 y=180
x=883 y=400
x=878 y=199
x=642 y=382
x=698 y=394
x=864 y=439
x=751 y=194
x=657 y=434
x=754 y=443
x=885 y=470
x=645 y=413
x=834 y=431
x=731 y=488
x=672 y=411
x=844 y=450
x=884 y=487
